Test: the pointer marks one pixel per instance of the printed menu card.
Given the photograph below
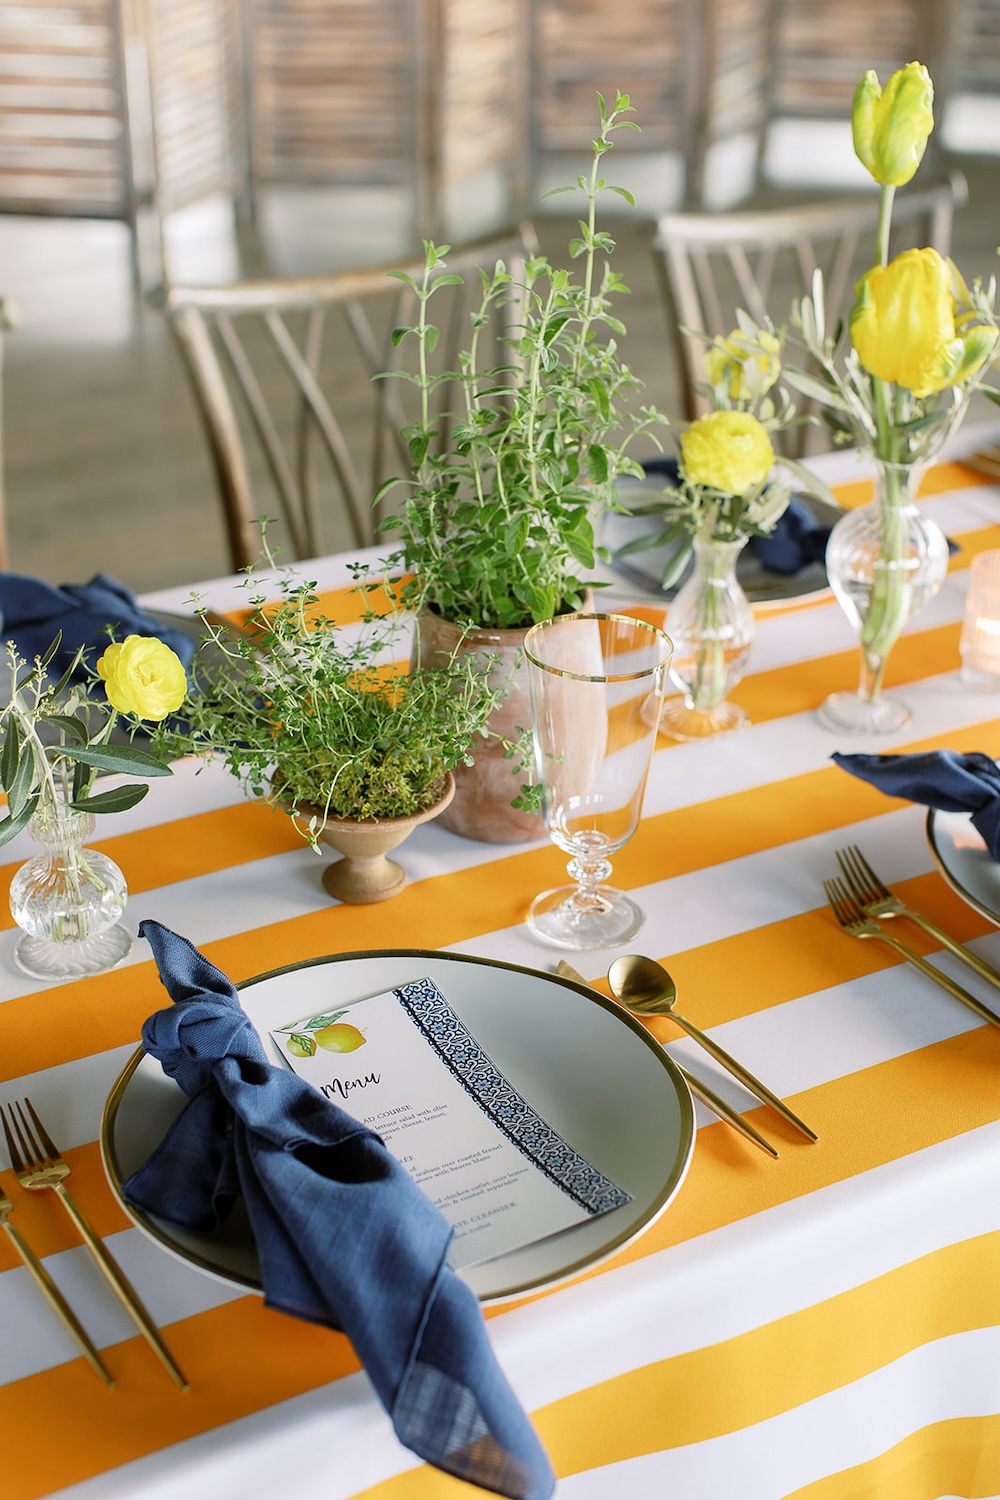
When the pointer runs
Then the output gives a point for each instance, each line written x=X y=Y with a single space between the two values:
x=405 y=1065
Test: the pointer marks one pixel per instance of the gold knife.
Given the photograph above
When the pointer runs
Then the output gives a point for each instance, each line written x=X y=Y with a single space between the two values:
x=700 y=1090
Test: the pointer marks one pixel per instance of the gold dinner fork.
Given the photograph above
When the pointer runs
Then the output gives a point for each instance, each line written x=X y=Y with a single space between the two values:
x=37 y=1164
x=876 y=900
x=50 y=1291
x=853 y=920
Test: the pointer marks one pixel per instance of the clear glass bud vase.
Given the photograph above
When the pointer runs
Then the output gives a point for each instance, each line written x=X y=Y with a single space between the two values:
x=711 y=625
x=68 y=900
x=884 y=561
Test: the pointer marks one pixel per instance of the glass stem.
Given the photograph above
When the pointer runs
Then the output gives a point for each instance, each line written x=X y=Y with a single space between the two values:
x=590 y=871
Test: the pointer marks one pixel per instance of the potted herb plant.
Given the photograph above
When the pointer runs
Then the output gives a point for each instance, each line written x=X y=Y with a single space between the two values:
x=313 y=719
x=497 y=531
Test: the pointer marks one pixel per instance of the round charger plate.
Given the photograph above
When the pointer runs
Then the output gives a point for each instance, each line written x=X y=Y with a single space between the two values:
x=962 y=857
x=590 y=1069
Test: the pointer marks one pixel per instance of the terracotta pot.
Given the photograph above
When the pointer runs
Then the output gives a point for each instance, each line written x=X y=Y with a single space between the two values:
x=364 y=874
x=483 y=792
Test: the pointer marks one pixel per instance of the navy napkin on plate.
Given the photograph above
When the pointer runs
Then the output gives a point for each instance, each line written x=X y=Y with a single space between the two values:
x=32 y=612
x=943 y=779
x=345 y=1236
x=796 y=540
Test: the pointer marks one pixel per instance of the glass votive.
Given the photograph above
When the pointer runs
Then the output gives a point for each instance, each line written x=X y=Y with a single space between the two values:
x=980 y=642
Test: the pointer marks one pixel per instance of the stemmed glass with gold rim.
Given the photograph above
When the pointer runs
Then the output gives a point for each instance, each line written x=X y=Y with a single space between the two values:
x=596 y=683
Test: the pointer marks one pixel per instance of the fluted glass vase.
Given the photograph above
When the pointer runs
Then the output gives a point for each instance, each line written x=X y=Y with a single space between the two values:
x=68 y=900
x=884 y=561
x=711 y=625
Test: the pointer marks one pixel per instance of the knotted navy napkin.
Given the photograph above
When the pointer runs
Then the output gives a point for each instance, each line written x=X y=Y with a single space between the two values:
x=938 y=778
x=344 y=1235
x=33 y=612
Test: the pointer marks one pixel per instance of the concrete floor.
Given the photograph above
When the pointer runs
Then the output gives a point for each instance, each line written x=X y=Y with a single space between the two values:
x=106 y=465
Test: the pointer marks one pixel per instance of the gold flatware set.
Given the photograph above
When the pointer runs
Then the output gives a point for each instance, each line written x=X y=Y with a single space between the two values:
x=644 y=987
x=860 y=902
x=37 y=1164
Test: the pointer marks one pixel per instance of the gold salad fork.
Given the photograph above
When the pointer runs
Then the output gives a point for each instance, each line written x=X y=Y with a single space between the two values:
x=37 y=1164
x=853 y=920
x=876 y=900
x=50 y=1291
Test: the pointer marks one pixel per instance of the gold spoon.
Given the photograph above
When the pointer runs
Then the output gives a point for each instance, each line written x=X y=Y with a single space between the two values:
x=700 y=1090
x=645 y=987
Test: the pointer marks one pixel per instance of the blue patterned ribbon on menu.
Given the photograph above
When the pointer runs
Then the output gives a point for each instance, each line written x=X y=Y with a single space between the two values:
x=496 y=1096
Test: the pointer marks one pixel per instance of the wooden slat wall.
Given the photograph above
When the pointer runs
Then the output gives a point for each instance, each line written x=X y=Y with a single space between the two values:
x=334 y=90
x=823 y=48
x=976 y=64
x=484 y=86
x=649 y=49
x=195 y=80
x=63 y=147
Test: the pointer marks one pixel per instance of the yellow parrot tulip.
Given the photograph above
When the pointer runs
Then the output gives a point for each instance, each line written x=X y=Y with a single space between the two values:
x=891 y=125
x=903 y=325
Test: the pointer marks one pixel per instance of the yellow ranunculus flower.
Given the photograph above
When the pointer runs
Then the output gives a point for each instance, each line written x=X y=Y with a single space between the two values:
x=891 y=125
x=747 y=368
x=728 y=451
x=142 y=676
x=903 y=325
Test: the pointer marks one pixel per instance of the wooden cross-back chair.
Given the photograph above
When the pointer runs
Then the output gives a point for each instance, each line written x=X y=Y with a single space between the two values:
x=282 y=370
x=708 y=265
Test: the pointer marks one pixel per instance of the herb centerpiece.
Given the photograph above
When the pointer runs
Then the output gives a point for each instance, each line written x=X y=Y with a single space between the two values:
x=316 y=719
x=497 y=532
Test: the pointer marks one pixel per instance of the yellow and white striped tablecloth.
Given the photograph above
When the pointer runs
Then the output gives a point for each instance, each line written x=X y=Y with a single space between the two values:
x=819 y=1327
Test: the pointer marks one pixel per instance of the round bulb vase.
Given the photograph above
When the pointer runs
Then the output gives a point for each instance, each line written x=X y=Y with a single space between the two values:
x=68 y=901
x=712 y=627
x=596 y=684
x=884 y=561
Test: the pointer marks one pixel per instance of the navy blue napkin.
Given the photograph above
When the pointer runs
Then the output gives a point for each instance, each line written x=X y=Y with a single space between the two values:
x=344 y=1235
x=938 y=778
x=32 y=612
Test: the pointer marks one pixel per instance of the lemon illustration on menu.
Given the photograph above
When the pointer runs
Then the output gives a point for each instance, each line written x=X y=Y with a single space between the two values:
x=328 y=1032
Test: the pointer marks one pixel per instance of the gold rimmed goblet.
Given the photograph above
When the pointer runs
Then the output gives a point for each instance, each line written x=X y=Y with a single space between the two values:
x=596 y=684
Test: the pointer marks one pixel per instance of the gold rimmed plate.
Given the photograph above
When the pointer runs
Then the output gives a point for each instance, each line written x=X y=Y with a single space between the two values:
x=964 y=861
x=590 y=1069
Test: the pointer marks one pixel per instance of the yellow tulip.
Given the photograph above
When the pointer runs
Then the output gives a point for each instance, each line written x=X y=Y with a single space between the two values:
x=903 y=325
x=142 y=676
x=728 y=451
x=891 y=125
x=745 y=368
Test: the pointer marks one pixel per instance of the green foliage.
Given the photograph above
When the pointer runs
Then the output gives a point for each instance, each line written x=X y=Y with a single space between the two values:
x=499 y=528
x=55 y=740
x=312 y=717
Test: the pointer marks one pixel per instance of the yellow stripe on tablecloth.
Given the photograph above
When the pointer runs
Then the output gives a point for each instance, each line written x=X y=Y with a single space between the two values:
x=701 y=1395
x=938 y=480
x=241 y=1358
x=958 y=1457
x=94 y=1015
x=740 y=1382
x=238 y=1358
x=199 y=845
x=348 y=605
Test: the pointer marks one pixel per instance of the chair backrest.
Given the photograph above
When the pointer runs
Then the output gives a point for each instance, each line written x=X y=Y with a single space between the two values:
x=708 y=265
x=271 y=394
